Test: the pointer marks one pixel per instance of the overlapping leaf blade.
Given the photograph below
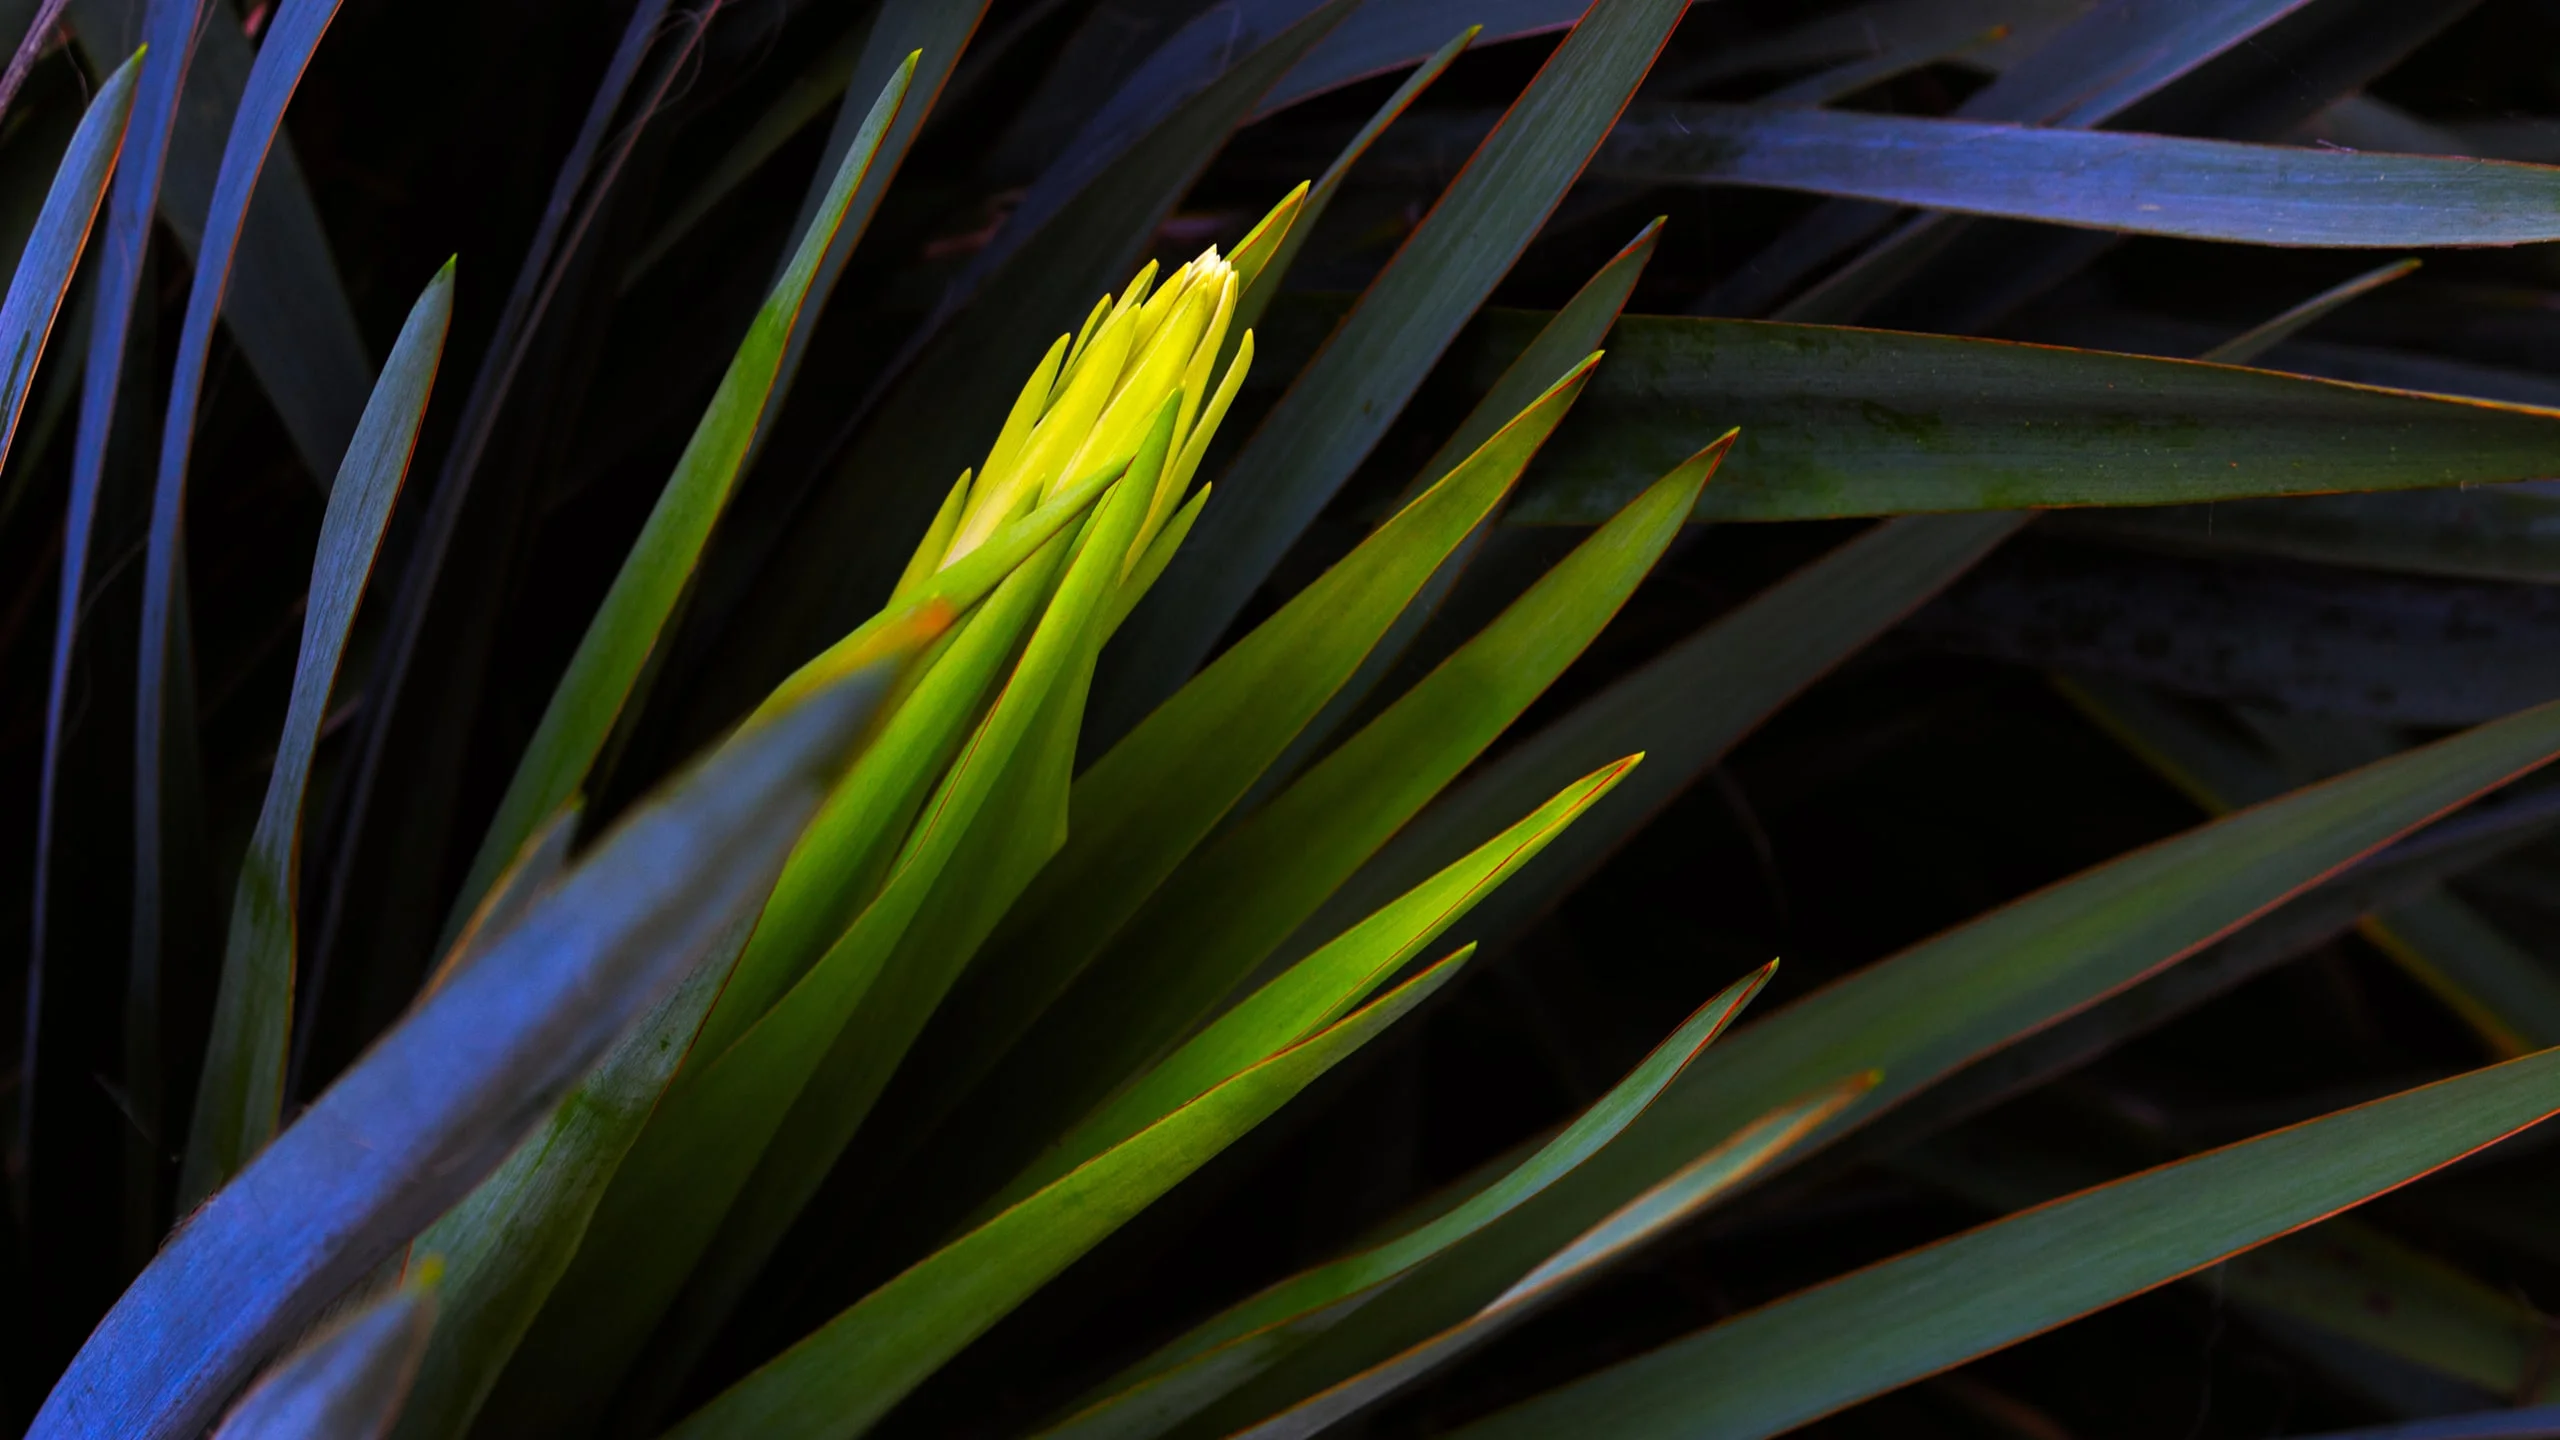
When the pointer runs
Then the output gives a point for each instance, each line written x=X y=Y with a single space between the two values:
x=843 y=1377
x=240 y=1097
x=442 y=1098
x=1939 y=1005
x=625 y=630
x=1337 y=409
x=1816 y=1351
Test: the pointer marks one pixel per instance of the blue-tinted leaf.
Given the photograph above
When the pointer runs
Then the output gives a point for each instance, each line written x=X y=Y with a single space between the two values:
x=344 y=1383
x=284 y=304
x=241 y=1094
x=1343 y=402
x=163 y=778
x=2097 y=179
x=1380 y=37
x=441 y=1099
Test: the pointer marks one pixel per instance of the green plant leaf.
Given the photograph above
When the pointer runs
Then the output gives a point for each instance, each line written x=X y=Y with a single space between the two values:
x=1926 y=1012
x=1308 y=995
x=348 y=1380
x=241 y=1093
x=625 y=630
x=1864 y=422
x=1377 y=39
x=841 y=1378
x=507 y=1243
x=442 y=1098
x=1171 y=1384
x=1337 y=408
x=1224 y=909
x=804 y=566
x=1576 y=330
x=1683 y=710
x=907 y=42
x=1821 y=1349
x=707 y=1134
x=1146 y=805
x=2095 y=179
x=1689 y=1190
x=2491 y=984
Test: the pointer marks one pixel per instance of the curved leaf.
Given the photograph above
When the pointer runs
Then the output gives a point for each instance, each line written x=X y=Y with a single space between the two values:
x=840 y=1379
x=1926 y=1012
x=164 y=778
x=241 y=1094
x=1229 y=903
x=1337 y=408
x=441 y=1099
x=1176 y=1381
x=1821 y=1349
x=2095 y=179
x=1688 y=1191
x=1865 y=422
x=343 y=1383
x=625 y=630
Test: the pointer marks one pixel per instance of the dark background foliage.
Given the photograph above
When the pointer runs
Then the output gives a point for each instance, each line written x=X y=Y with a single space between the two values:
x=1937 y=776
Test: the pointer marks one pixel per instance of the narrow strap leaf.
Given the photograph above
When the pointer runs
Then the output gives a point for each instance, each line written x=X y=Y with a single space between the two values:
x=1341 y=404
x=1213 y=1358
x=241 y=1094
x=618 y=641
x=1817 y=1351
x=160 y=787
x=348 y=1380
x=839 y=1380
x=444 y=1096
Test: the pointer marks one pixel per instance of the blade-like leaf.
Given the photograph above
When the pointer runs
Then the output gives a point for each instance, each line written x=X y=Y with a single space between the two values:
x=1312 y=992
x=1336 y=410
x=840 y=1379
x=2095 y=179
x=2403 y=650
x=285 y=303
x=2258 y=339
x=705 y=1139
x=26 y=321
x=1142 y=808
x=151 y=104
x=625 y=630
x=2507 y=532
x=1222 y=912
x=507 y=1243
x=443 y=1097
x=913 y=44
x=241 y=1094
x=1576 y=330
x=164 y=778
x=1267 y=277
x=804 y=566
x=1922 y=1312
x=345 y=1383
x=1380 y=38
x=1176 y=1381
x=1684 y=710
x=1691 y=1189
x=1865 y=422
